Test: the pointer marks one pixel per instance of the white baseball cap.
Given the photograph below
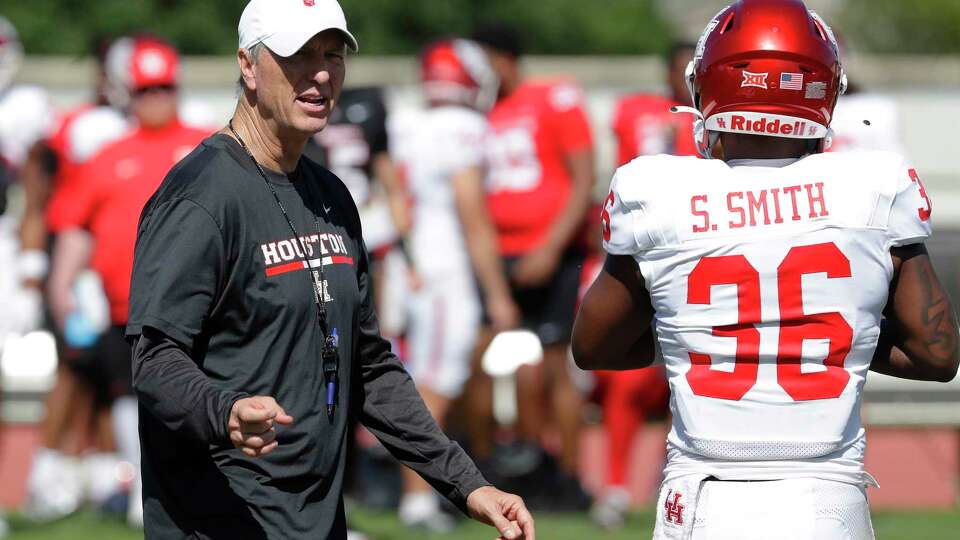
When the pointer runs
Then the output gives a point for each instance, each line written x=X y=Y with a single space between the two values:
x=286 y=25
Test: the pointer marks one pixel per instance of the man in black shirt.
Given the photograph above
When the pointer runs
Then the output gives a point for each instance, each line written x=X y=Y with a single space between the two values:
x=255 y=334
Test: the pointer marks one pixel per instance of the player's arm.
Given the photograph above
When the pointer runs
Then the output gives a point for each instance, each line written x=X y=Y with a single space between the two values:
x=919 y=338
x=387 y=173
x=71 y=254
x=612 y=329
x=481 y=243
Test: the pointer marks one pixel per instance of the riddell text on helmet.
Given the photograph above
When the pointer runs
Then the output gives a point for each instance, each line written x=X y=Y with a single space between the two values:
x=774 y=127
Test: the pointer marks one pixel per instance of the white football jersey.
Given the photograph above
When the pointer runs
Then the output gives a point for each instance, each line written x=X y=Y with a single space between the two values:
x=432 y=147
x=768 y=279
x=26 y=116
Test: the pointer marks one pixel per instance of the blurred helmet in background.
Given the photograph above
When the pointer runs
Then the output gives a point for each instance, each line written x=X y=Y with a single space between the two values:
x=136 y=63
x=11 y=52
x=767 y=67
x=456 y=71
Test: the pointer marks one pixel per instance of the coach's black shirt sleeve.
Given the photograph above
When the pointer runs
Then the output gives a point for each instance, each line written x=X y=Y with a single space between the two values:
x=178 y=267
x=391 y=408
x=176 y=392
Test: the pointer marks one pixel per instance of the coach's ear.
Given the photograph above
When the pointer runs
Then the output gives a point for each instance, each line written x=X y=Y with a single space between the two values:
x=247 y=61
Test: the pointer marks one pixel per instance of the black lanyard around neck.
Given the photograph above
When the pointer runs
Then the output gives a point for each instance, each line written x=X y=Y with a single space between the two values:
x=329 y=352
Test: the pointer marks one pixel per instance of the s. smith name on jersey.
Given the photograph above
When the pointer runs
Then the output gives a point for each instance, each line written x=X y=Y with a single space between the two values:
x=749 y=208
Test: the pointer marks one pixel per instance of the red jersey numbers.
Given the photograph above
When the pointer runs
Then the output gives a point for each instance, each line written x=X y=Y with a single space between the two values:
x=795 y=326
x=923 y=212
x=514 y=165
x=605 y=216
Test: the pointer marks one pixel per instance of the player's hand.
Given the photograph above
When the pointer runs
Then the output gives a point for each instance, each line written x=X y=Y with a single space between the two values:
x=252 y=424
x=504 y=511
x=503 y=312
x=535 y=268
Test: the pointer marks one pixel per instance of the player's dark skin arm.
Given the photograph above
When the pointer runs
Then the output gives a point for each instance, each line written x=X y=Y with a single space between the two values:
x=612 y=330
x=919 y=338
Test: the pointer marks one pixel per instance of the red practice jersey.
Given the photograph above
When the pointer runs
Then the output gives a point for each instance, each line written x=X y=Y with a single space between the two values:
x=80 y=134
x=534 y=130
x=109 y=193
x=644 y=126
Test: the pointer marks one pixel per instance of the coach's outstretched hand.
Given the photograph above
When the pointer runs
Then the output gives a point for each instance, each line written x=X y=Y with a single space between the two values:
x=252 y=422
x=504 y=511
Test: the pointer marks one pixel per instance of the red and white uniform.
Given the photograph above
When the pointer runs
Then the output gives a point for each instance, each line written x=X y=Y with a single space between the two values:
x=432 y=147
x=534 y=130
x=768 y=279
x=644 y=126
x=109 y=193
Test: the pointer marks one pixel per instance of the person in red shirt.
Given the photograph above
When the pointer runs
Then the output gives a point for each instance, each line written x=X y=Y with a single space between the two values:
x=106 y=198
x=539 y=184
x=643 y=125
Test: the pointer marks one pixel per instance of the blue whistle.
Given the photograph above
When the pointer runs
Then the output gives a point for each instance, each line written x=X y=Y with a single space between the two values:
x=332 y=374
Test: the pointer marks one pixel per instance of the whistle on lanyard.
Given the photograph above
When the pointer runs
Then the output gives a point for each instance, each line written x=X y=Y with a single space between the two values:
x=330 y=360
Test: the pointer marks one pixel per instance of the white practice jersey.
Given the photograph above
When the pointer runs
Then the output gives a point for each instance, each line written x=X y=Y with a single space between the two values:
x=26 y=116
x=768 y=279
x=432 y=147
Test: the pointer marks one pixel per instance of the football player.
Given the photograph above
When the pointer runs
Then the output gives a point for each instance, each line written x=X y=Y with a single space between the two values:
x=451 y=238
x=777 y=277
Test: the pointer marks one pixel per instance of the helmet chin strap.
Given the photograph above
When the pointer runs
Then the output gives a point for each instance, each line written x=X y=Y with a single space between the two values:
x=704 y=139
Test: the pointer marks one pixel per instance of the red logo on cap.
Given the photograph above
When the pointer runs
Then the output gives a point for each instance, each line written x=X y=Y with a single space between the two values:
x=308 y=3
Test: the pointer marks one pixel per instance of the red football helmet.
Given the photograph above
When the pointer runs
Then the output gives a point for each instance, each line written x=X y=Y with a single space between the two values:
x=134 y=63
x=766 y=67
x=457 y=71
x=11 y=52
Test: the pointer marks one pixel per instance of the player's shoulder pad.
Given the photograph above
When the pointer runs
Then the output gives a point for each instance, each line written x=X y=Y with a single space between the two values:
x=93 y=130
x=639 y=200
x=901 y=203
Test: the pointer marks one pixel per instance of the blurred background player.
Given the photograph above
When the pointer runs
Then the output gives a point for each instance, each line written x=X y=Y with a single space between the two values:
x=864 y=120
x=75 y=419
x=355 y=146
x=105 y=201
x=538 y=192
x=26 y=117
x=442 y=153
x=643 y=125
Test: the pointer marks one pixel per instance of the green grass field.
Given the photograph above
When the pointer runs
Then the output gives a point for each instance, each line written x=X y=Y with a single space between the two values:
x=384 y=526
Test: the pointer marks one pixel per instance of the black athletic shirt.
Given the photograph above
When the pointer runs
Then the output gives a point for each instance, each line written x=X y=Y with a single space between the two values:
x=221 y=305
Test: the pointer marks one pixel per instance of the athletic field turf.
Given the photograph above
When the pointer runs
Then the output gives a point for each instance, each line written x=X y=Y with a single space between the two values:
x=384 y=526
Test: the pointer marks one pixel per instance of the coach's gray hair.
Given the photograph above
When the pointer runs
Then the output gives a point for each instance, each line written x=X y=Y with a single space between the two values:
x=254 y=53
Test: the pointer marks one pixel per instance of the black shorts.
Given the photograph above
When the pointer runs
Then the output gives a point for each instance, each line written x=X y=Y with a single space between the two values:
x=549 y=310
x=107 y=365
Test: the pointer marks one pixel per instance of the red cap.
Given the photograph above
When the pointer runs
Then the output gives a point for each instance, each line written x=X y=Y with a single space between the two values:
x=141 y=62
